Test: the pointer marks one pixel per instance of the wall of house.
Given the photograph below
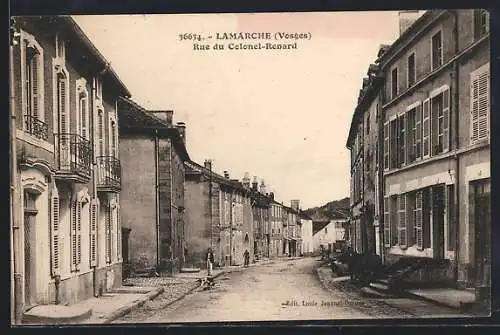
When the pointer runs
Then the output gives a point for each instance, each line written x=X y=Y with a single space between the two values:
x=248 y=227
x=138 y=204
x=198 y=221
x=307 y=239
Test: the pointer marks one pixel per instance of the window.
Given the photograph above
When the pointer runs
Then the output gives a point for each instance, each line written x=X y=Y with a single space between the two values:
x=437 y=50
x=60 y=47
x=326 y=230
x=422 y=218
x=394 y=83
x=452 y=224
x=100 y=133
x=426 y=128
x=480 y=104
x=481 y=22
x=401 y=140
x=440 y=111
x=82 y=108
x=32 y=83
x=412 y=70
x=418 y=132
x=98 y=87
x=394 y=218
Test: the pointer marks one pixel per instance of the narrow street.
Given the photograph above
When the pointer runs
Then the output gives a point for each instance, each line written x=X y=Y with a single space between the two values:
x=284 y=290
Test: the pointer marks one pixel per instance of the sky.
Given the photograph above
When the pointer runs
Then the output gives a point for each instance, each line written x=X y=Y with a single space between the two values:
x=280 y=115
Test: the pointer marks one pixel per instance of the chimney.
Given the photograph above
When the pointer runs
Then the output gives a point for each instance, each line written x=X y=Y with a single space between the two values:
x=246 y=180
x=164 y=116
x=294 y=204
x=208 y=164
x=181 y=127
x=262 y=187
x=255 y=184
x=226 y=174
x=406 y=19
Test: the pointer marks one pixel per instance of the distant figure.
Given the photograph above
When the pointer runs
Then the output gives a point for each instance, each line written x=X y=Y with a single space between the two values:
x=246 y=256
x=210 y=261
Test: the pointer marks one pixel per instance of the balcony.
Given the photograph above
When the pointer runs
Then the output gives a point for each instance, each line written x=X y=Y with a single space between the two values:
x=73 y=157
x=108 y=174
x=36 y=127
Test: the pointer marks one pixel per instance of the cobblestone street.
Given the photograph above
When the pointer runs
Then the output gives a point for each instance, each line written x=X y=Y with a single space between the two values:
x=285 y=290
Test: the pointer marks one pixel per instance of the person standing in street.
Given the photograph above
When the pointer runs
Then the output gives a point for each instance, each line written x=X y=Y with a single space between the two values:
x=246 y=256
x=210 y=261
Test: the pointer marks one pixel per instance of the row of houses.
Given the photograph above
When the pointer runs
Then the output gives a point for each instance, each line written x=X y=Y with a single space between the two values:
x=420 y=149
x=99 y=182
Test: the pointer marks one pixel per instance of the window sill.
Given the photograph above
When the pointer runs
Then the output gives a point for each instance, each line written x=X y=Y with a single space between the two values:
x=448 y=154
x=25 y=137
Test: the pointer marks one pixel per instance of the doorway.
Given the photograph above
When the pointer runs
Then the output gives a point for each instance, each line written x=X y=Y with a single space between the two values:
x=30 y=213
x=438 y=203
x=482 y=245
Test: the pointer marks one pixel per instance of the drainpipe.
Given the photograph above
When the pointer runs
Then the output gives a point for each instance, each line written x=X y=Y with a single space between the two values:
x=157 y=200
x=14 y=240
x=456 y=98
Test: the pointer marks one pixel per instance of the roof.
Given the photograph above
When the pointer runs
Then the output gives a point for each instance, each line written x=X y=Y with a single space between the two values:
x=134 y=119
x=72 y=27
x=319 y=225
x=193 y=168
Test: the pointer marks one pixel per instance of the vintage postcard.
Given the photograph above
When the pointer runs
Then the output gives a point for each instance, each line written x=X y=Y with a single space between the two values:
x=250 y=167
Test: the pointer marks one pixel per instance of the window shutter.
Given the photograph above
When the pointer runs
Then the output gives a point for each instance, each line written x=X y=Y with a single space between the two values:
x=79 y=233
x=386 y=146
x=74 y=244
x=446 y=119
x=62 y=105
x=108 y=234
x=100 y=131
x=55 y=234
x=426 y=128
x=35 y=102
x=474 y=94
x=404 y=138
x=387 y=223
x=94 y=215
x=409 y=116
x=419 y=220
x=483 y=105
x=84 y=117
x=418 y=128
x=402 y=237
x=119 y=234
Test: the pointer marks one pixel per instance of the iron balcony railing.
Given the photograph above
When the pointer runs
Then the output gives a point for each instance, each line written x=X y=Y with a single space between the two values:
x=108 y=171
x=73 y=154
x=36 y=127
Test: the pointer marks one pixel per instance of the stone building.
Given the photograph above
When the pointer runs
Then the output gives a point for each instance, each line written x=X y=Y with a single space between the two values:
x=262 y=237
x=65 y=238
x=219 y=216
x=153 y=152
x=435 y=139
x=276 y=246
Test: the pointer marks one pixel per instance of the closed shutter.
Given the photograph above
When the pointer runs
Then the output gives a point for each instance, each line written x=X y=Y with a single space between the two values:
x=419 y=220
x=94 y=216
x=63 y=113
x=78 y=234
x=426 y=125
x=418 y=129
x=480 y=105
x=402 y=236
x=446 y=120
x=119 y=235
x=387 y=223
x=54 y=232
x=108 y=234
x=100 y=133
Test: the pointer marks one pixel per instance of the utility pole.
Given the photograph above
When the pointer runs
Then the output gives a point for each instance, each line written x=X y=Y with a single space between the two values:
x=14 y=231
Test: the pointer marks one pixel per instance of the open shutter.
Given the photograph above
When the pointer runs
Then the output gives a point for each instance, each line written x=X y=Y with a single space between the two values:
x=419 y=220
x=402 y=237
x=426 y=124
x=54 y=232
x=410 y=116
x=418 y=129
x=483 y=105
x=474 y=94
x=386 y=146
x=404 y=138
x=94 y=214
x=446 y=120
x=387 y=223
x=35 y=102
x=74 y=244
x=119 y=234
x=78 y=234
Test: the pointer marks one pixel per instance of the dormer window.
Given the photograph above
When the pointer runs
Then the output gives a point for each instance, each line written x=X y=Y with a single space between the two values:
x=60 y=47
